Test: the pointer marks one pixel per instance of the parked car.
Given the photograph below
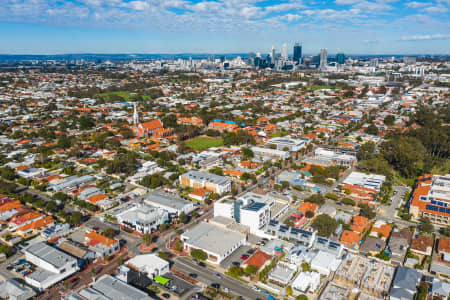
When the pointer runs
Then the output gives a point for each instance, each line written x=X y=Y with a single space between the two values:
x=193 y=275
x=244 y=257
x=218 y=275
x=165 y=295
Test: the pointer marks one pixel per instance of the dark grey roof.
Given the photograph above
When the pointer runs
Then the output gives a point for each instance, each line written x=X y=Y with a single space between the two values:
x=399 y=293
x=407 y=278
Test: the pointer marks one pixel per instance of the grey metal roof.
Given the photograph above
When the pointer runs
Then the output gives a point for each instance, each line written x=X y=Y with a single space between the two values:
x=406 y=278
x=212 y=238
x=197 y=175
x=115 y=289
x=51 y=255
x=166 y=200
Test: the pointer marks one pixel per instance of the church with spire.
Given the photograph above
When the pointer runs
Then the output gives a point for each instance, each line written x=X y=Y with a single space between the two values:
x=149 y=129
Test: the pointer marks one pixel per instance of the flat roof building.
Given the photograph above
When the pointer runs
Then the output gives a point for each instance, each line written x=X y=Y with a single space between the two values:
x=215 y=183
x=172 y=205
x=53 y=265
x=216 y=241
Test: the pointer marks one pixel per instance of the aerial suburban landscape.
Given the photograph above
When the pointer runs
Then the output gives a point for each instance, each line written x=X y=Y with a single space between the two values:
x=224 y=149
x=278 y=177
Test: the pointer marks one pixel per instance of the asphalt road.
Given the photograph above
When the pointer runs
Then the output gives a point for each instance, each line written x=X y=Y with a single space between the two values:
x=207 y=277
x=390 y=211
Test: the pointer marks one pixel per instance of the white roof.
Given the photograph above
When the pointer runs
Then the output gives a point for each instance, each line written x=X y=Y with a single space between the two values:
x=147 y=262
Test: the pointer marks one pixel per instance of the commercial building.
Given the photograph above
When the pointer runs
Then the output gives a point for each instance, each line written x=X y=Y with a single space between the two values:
x=286 y=144
x=297 y=53
x=53 y=265
x=431 y=199
x=100 y=244
x=215 y=183
x=143 y=218
x=172 y=205
x=266 y=153
x=14 y=290
x=217 y=242
x=111 y=288
x=335 y=158
x=367 y=181
x=323 y=58
x=149 y=264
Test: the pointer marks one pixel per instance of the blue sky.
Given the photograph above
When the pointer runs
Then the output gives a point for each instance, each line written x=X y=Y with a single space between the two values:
x=223 y=26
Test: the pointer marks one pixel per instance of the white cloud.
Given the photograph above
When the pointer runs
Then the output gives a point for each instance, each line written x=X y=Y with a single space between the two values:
x=435 y=9
x=415 y=4
x=346 y=2
x=284 y=6
x=138 y=5
x=437 y=36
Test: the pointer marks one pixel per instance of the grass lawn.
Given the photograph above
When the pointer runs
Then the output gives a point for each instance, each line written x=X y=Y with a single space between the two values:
x=204 y=142
x=127 y=96
x=323 y=87
x=107 y=96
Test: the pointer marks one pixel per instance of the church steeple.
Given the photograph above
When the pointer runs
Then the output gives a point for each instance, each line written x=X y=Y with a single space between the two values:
x=135 y=116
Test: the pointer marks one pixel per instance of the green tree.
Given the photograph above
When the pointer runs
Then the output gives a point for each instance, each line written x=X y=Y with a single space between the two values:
x=247 y=153
x=389 y=120
x=183 y=218
x=235 y=271
x=76 y=218
x=251 y=269
x=110 y=232
x=371 y=129
x=199 y=254
x=425 y=225
x=7 y=173
x=366 y=151
x=366 y=211
x=325 y=225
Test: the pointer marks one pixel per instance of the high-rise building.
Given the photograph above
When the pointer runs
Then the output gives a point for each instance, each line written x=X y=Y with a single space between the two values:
x=340 y=58
x=284 y=52
x=272 y=54
x=297 y=52
x=323 y=58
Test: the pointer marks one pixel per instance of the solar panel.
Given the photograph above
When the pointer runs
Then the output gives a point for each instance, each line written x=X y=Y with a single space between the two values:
x=335 y=244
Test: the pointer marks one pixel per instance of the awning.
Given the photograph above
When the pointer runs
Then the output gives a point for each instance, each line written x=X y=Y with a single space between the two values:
x=161 y=280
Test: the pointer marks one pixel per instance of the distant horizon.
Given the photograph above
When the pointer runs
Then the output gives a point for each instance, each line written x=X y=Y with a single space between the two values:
x=218 y=54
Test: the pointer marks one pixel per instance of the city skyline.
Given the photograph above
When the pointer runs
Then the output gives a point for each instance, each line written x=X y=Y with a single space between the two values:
x=192 y=26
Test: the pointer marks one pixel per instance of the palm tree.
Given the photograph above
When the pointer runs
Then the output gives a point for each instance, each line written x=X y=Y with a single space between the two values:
x=146 y=238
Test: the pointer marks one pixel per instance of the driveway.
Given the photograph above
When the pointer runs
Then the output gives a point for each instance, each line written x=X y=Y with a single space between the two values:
x=235 y=256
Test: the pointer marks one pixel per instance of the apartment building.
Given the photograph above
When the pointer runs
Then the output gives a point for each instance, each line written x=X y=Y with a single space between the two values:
x=286 y=144
x=431 y=199
x=215 y=183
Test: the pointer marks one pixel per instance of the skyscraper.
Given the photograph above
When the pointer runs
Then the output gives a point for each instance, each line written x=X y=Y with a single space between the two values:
x=284 y=52
x=272 y=53
x=340 y=58
x=297 y=52
x=323 y=58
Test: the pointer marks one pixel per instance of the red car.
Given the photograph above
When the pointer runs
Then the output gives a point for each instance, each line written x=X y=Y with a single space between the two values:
x=244 y=257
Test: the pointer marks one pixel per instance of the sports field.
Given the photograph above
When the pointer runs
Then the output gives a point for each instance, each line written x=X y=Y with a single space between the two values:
x=204 y=142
